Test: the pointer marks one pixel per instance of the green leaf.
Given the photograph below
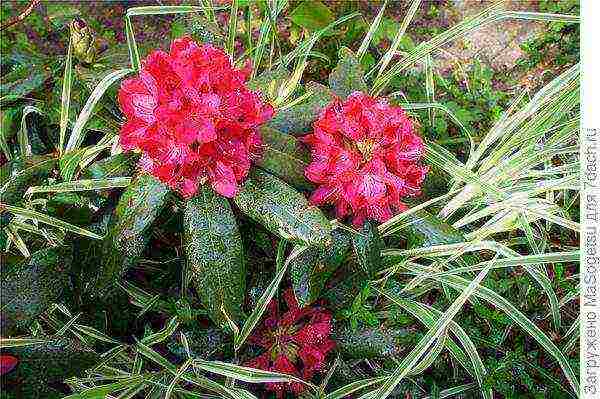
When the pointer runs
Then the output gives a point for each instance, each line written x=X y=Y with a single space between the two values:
x=30 y=287
x=49 y=362
x=65 y=98
x=347 y=76
x=246 y=374
x=367 y=246
x=312 y=268
x=35 y=133
x=422 y=229
x=21 y=173
x=519 y=318
x=78 y=133
x=200 y=29
x=21 y=82
x=268 y=294
x=39 y=217
x=127 y=236
x=370 y=342
x=428 y=316
x=436 y=332
x=214 y=255
x=117 y=165
x=285 y=157
x=282 y=210
x=202 y=342
x=298 y=119
x=80 y=185
x=270 y=81
x=312 y=15
x=103 y=391
x=354 y=386
x=8 y=129
x=71 y=160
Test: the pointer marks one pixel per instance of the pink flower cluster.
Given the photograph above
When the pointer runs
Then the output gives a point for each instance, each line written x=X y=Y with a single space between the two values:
x=193 y=118
x=296 y=342
x=365 y=158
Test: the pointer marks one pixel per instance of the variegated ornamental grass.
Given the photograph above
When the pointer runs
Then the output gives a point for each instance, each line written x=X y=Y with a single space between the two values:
x=230 y=188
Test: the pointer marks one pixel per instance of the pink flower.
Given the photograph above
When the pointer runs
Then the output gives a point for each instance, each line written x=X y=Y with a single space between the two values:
x=192 y=116
x=296 y=342
x=365 y=158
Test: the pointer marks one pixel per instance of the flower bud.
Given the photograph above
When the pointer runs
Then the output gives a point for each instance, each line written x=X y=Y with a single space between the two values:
x=86 y=46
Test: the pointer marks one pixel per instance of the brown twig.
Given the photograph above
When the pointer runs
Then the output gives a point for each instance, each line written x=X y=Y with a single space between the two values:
x=20 y=17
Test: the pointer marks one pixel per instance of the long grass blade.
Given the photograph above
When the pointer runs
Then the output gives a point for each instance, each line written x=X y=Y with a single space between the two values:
x=65 y=100
x=486 y=17
x=264 y=300
x=364 y=45
x=77 y=136
x=80 y=185
x=49 y=220
x=511 y=311
x=428 y=339
x=23 y=135
x=387 y=57
x=233 y=21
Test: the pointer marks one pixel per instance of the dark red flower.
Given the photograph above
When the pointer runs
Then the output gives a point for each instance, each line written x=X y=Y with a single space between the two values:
x=193 y=118
x=365 y=158
x=7 y=363
x=296 y=342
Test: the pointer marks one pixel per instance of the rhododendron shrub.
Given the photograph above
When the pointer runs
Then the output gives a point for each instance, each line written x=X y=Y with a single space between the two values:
x=296 y=342
x=193 y=118
x=365 y=158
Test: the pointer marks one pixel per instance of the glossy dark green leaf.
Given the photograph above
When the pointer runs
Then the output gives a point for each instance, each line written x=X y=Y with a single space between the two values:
x=347 y=76
x=17 y=175
x=21 y=82
x=298 y=119
x=28 y=288
x=370 y=342
x=424 y=229
x=214 y=255
x=367 y=246
x=259 y=281
x=127 y=235
x=200 y=29
x=285 y=157
x=282 y=210
x=340 y=294
x=203 y=343
x=49 y=362
x=312 y=15
x=117 y=165
x=269 y=82
x=40 y=136
x=310 y=270
x=345 y=374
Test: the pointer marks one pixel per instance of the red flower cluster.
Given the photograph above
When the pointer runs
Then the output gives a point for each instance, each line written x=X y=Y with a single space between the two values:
x=365 y=156
x=193 y=118
x=299 y=334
